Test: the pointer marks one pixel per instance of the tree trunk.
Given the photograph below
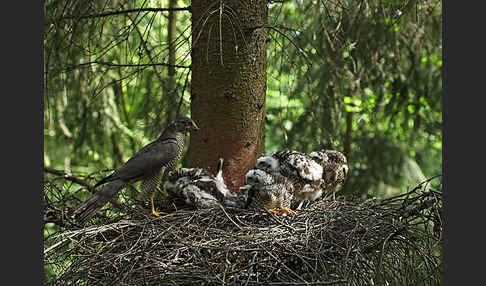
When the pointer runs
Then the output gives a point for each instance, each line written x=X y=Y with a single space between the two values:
x=228 y=86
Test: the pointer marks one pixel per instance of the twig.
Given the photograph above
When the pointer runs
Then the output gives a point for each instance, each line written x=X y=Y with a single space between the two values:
x=69 y=177
x=124 y=65
x=136 y=10
x=90 y=231
x=299 y=49
x=229 y=216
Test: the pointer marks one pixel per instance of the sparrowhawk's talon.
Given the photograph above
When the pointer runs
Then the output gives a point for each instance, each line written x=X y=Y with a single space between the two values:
x=286 y=211
x=275 y=211
x=157 y=213
x=154 y=212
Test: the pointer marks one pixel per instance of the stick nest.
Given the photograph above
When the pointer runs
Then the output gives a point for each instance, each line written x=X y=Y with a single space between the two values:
x=396 y=241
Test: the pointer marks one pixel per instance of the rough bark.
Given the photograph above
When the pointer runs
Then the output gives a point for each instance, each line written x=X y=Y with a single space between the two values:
x=228 y=86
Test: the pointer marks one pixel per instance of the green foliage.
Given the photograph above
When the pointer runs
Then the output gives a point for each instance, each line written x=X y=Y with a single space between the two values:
x=362 y=77
x=358 y=76
x=370 y=84
x=98 y=114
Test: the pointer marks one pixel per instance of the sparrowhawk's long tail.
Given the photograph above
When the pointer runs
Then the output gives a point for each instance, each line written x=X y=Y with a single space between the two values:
x=104 y=180
x=89 y=208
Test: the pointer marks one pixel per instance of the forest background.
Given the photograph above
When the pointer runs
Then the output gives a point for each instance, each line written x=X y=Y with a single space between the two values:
x=362 y=77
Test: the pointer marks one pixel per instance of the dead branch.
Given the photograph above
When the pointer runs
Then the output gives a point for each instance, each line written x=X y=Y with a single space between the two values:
x=69 y=177
x=136 y=10
x=123 y=65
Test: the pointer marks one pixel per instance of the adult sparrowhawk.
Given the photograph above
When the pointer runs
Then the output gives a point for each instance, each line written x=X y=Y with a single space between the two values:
x=148 y=164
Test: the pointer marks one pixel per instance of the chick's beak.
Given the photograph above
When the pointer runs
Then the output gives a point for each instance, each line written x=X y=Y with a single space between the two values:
x=345 y=169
